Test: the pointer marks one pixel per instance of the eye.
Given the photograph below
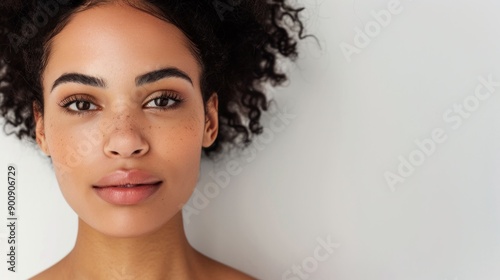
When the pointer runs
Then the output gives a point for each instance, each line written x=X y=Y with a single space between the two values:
x=82 y=106
x=166 y=100
x=78 y=104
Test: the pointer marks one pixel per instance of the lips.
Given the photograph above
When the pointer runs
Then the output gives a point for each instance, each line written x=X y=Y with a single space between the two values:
x=127 y=187
x=127 y=178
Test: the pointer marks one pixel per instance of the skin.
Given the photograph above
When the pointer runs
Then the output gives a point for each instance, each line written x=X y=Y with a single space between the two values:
x=121 y=127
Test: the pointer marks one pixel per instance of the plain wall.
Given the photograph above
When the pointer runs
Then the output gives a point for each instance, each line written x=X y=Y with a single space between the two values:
x=317 y=176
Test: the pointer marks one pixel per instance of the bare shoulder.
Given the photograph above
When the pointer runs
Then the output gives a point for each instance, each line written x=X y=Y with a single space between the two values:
x=47 y=274
x=218 y=270
x=54 y=272
x=226 y=272
x=41 y=276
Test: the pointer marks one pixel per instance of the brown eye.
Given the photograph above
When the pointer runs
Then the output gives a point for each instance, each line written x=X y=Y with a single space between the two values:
x=162 y=102
x=82 y=105
x=78 y=104
x=165 y=101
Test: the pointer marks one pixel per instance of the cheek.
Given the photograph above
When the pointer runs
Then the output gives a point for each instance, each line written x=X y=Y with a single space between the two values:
x=181 y=142
x=71 y=147
x=180 y=147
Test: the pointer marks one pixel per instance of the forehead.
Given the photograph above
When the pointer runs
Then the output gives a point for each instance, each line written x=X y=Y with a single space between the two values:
x=116 y=38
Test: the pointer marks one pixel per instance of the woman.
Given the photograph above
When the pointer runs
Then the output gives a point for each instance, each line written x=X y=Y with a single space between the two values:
x=124 y=96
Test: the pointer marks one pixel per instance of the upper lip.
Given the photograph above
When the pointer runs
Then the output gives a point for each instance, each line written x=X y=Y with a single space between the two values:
x=127 y=177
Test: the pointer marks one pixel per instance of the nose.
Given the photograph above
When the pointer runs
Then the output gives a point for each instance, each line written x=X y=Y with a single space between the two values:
x=125 y=139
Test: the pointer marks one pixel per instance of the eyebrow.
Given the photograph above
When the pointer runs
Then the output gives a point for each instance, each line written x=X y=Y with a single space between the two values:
x=147 y=78
x=80 y=79
x=157 y=75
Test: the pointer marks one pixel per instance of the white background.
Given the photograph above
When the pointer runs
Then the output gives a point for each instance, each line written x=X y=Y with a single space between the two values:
x=321 y=176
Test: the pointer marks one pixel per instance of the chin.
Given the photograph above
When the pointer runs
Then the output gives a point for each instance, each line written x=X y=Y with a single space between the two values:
x=128 y=226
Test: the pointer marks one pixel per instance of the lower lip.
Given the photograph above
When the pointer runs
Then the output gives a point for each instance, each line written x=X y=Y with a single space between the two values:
x=126 y=196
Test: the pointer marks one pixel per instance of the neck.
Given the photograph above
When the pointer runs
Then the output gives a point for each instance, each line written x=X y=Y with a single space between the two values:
x=163 y=254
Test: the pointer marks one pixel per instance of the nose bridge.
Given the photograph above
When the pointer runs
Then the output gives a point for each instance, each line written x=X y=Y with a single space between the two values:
x=124 y=134
x=123 y=120
x=120 y=117
x=121 y=106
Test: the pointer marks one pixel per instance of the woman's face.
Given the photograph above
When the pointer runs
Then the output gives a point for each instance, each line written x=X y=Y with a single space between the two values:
x=123 y=106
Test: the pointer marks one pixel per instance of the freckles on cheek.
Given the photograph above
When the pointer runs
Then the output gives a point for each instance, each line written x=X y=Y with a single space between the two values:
x=71 y=147
x=194 y=128
x=55 y=138
x=185 y=138
x=63 y=154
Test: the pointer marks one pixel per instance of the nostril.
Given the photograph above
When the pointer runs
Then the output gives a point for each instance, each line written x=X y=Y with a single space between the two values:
x=126 y=147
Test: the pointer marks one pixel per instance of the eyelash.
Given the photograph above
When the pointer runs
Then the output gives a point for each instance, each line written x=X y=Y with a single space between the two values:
x=168 y=95
x=81 y=98
x=72 y=99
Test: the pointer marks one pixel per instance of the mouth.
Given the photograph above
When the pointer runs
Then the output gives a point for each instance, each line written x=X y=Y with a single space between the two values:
x=127 y=194
x=127 y=187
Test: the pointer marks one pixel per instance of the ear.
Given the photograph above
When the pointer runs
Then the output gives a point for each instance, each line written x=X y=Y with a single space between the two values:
x=40 y=129
x=211 y=120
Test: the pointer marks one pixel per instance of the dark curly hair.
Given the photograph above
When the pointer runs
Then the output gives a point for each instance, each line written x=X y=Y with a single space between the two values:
x=242 y=39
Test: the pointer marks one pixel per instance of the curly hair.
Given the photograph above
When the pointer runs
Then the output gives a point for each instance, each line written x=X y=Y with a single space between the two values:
x=241 y=39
